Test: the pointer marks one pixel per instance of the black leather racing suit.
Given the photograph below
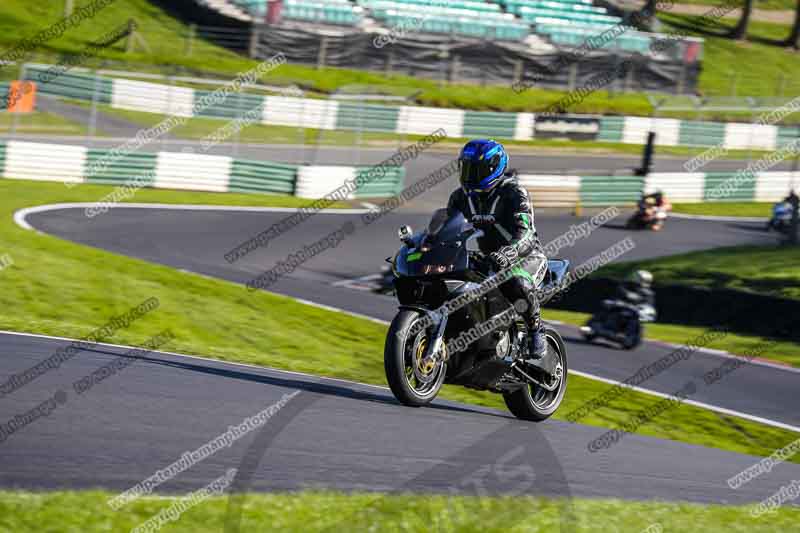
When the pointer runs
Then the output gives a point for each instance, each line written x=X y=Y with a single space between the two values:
x=630 y=293
x=636 y=294
x=512 y=225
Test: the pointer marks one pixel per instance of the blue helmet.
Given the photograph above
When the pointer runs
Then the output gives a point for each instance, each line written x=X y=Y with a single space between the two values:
x=482 y=164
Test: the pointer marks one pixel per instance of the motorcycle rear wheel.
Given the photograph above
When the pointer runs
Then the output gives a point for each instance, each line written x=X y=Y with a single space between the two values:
x=403 y=350
x=592 y=335
x=634 y=337
x=533 y=402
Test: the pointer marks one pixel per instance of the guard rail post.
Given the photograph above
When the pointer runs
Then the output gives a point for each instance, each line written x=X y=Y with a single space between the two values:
x=252 y=49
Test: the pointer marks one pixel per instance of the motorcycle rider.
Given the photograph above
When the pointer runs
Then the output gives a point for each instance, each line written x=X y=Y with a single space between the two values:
x=793 y=200
x=650 y=205
x=652 y=200
x=636 y=289
x=492 y=199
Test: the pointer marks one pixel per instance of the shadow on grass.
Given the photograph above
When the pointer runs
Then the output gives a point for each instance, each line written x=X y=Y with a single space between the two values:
x=690 y=24
x=768 y=41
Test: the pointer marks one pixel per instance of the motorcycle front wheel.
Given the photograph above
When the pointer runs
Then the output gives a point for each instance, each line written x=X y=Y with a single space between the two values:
x=412 y=382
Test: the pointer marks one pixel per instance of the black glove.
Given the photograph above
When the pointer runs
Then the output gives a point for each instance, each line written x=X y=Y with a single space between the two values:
x=503 y=258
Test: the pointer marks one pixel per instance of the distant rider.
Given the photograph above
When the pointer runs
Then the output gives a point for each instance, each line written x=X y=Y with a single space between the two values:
x=493 y=201
x=793 y=199
x=653 y=200
x=636 y=290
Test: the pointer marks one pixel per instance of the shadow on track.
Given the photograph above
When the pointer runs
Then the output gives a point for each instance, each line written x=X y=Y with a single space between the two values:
x=752 y=226
x=617 y=227
x=307 y=384
x=597 y=343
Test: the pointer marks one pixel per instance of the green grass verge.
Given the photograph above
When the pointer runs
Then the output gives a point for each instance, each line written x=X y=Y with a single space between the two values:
x=727 y=209
x=773 y=270
x=72 y=512
x=61 y=288
x=760 y=4
x=761 y=63
x=755 y=67
x=39 y=122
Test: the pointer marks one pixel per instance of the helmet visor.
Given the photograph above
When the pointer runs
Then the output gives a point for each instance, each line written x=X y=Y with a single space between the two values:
x=473 y=172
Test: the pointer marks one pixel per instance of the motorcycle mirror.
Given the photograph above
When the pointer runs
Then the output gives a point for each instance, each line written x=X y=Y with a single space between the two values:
x=404 y=233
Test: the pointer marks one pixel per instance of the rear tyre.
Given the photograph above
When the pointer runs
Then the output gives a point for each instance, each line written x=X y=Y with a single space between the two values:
x=401 y=353
x=633 y=337
x=589 y=331
x=536 y=403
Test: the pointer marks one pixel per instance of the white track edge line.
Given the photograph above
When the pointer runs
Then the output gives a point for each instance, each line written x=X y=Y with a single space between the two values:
x=198 y=357
x=703 y=405
x=719 y=218
x=21 y=214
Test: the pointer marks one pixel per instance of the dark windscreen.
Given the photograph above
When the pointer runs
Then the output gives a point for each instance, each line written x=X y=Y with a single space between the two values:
x=444 y=228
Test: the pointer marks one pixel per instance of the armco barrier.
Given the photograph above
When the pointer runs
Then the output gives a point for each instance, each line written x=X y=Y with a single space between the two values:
x=201 y=172
x=249 y=176
x=553 y=190
x=617 y=190
x=681 y=187
x=685 y=187
x=45 y=162
x=141 y=165
x=345 y=115
x=311 y=181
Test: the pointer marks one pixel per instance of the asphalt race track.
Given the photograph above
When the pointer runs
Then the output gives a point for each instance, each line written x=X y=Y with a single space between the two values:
x=348 y=436
x=333 y=434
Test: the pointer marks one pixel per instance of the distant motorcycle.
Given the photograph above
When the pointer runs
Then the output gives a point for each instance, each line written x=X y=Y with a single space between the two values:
x=781 y=220
x=620 y=322
x=648 y=217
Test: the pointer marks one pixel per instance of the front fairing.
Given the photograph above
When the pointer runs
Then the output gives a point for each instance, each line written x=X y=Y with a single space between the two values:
x=440 y=251
x=439 y=261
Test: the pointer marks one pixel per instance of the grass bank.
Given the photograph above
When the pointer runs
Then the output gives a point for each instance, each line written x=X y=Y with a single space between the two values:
x=23 y=512
x=40 y=122
x=761 y=62
x=772 y=270
x=726 y=209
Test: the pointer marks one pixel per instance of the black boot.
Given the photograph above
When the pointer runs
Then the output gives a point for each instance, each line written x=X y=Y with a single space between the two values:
x=537 y=341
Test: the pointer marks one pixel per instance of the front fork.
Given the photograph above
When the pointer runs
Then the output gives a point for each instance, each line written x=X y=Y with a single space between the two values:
x=437 y=319
x=434 y=347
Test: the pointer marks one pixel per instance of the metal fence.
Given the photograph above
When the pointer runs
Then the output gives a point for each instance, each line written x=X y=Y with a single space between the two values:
x=104 y=107
x=105 y=104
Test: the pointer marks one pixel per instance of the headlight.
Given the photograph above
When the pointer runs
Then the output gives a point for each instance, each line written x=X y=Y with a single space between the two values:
x=438 y=269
